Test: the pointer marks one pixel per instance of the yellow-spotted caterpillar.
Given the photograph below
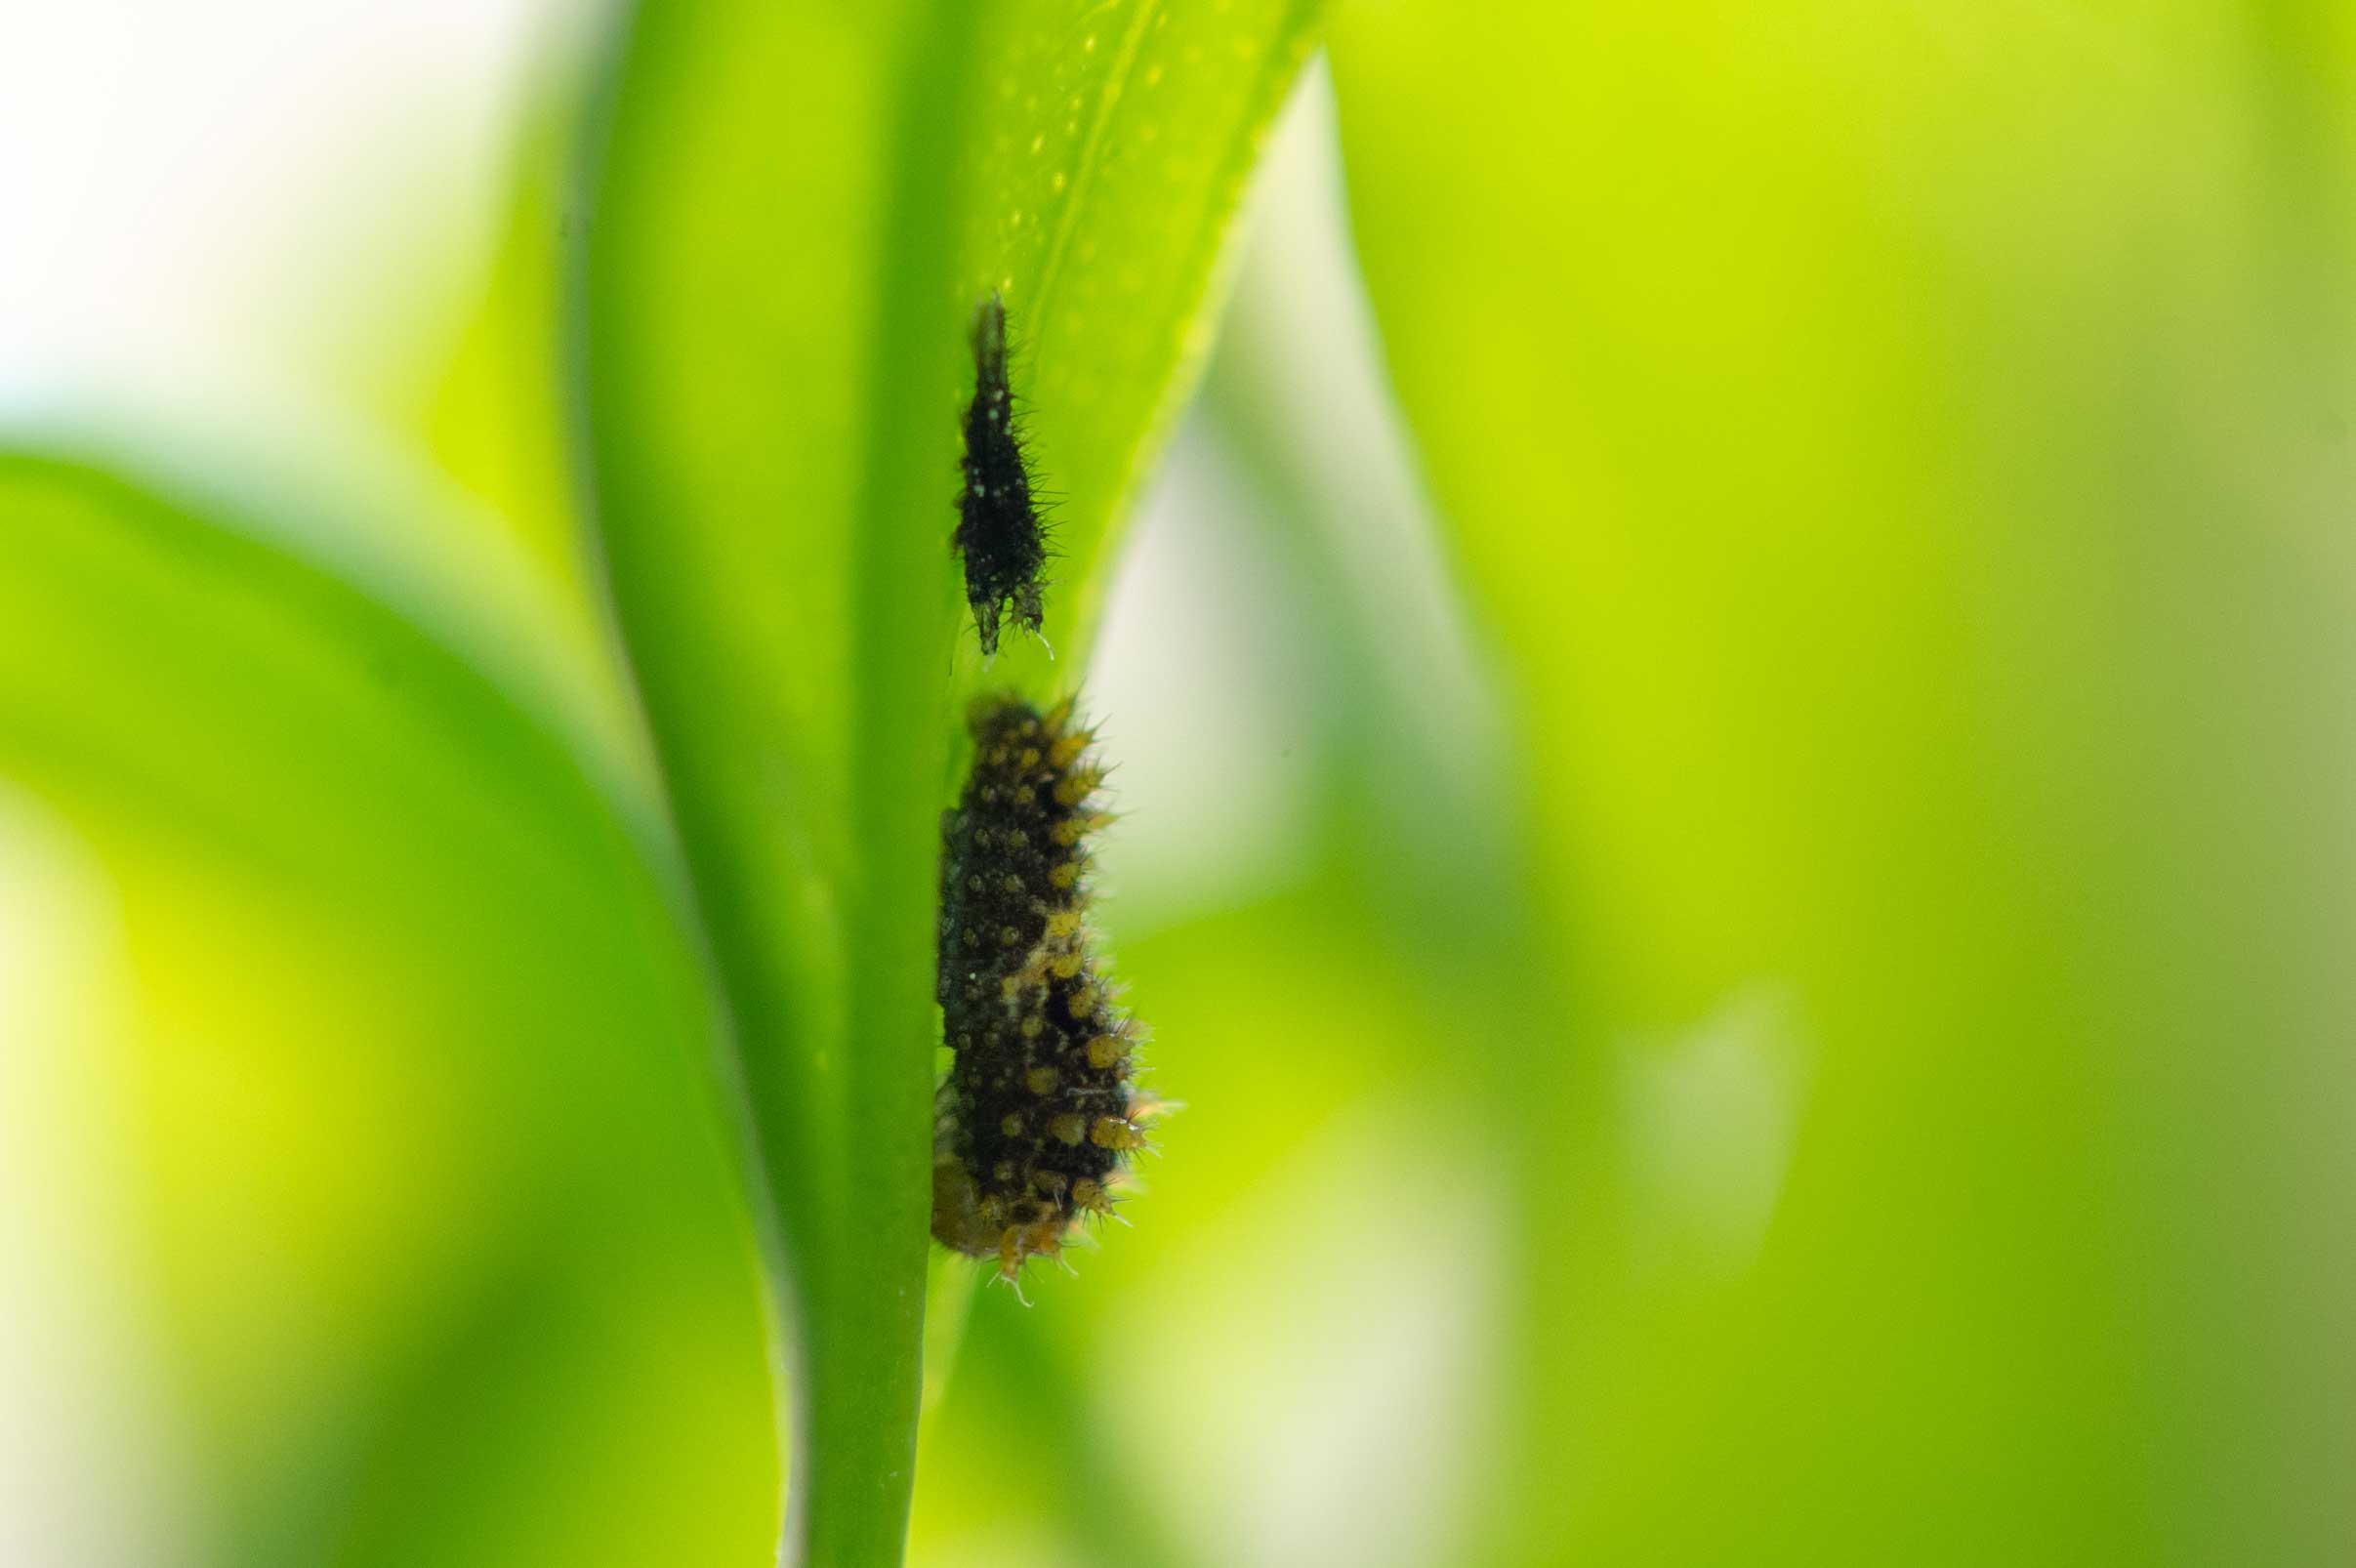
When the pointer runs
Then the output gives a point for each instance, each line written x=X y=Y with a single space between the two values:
x=998 y=530
x=1038 y=1114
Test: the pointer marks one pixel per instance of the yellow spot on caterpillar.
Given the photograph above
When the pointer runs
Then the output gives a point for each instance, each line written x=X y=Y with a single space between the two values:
x=1067 y=831
x=1042 y=1080
x=1063 y=922
x=1008 y=936
x=1106 y=1050
x=1064 y=968
x=1013 y=884
x=1026 y=795
x=1066 y=751
x=1083 y=1002
x=1111 y=1133
x=1064 y=875
x=1029 y=758
x=1090 y=1195
x=1032 y=1025
x=1069 y=1127
x=1075 y=787
x=1011 y=1125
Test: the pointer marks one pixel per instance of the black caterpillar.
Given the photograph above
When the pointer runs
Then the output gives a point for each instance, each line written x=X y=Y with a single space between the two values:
x=998 y=531
x=1038 y=1114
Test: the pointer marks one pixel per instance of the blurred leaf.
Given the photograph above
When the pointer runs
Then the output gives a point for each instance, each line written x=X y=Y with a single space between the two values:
x=1027 y=1408
x=1903 y=455
x=496 y=421
x=798 y=208
x=497 y=418
x=448 y=1267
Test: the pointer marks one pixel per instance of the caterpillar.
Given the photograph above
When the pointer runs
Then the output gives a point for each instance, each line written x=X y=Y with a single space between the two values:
x=1038 y=1113
x=998 y=531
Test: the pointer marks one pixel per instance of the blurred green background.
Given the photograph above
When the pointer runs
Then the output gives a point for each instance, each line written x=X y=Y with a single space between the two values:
x=1732 y=696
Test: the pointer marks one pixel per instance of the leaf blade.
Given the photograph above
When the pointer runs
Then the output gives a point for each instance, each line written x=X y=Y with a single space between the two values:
x=791 y=227
x=377 y=911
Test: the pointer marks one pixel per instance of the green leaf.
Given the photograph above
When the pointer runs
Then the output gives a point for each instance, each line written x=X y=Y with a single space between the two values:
x=797 y=210
x=396 y=1068
x=1889 y=445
